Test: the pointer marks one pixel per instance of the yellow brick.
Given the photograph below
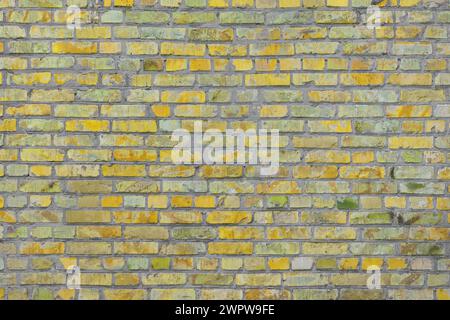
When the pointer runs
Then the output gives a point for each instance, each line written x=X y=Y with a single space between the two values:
x=141 y=80
x=363 y=157
x=165 y=156
x=30 y=110
x=135 y=217
x=290 y=64
x=353 y=172
x=265 y=64
x=195 y=111
x=157 y=201
x=359 y=64
x=134 y=155
x=220 y=171
x=87 y=125
x=273 y=111
x=140 y=248
x=8 y=155
x=289 y=187
x=315 y=172
x=329 y=96
x=435 y=126
x=74 y=47
x=443 y=203
x=14 y=64
x=362 y=79
x=368 y=262
x=348 y=264
x=134 y=126
x=289 y=3
x=409 y=111
x=227 y=50
x=422 y=95
x=220 y=64
x=161 y=111
x=123 y=3
x=40 y=201
x=410 y=79
x=205 y=202
x=176 y=64
x=218 y=3
x=7 y=125
x=233 y=248
x=443 y=294
x=200 y=64
x=412 y=127
x=422 y=203
x=181 y=201
x=242 y=64
x=409 y=3
x=337 y=3
x=66 y=294
x=125 y=294
x=405 y=32
x=242 y=3
x=435 y=64
x=328 y=156
x=28 y=79
x=124 y=170
x=229 y=217
x=41 y=171
x=171 y=3
x=410 y=142
x=38 y=248
x=140 y=48
x=395 y=202
x=255 y=80
x=110 y=47
x=88 y=232
x=396 y=263
x=240 y=233
x=93 y=32
x=313 y=64
x=278 y=263
x=7 y=217
x=338 y=126
x=272 y=49
x=182 y=49
x=183 y=96
x=52 y=95
x=127 y=279
x=42 y=155
x=112 y=201
x=81 y=216
x=88 y=155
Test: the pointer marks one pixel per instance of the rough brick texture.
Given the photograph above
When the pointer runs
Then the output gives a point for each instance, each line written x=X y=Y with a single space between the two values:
x=86 y=176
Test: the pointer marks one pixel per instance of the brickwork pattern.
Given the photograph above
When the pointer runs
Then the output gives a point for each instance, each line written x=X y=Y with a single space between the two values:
x=87 y=180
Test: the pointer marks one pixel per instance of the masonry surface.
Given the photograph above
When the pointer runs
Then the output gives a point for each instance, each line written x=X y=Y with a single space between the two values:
x=87 y=179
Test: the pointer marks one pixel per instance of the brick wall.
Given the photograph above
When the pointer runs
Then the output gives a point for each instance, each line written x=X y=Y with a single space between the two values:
x=87 y=178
